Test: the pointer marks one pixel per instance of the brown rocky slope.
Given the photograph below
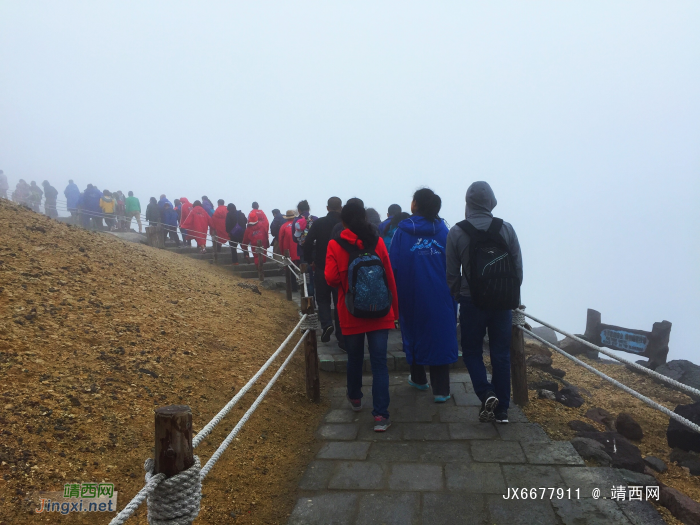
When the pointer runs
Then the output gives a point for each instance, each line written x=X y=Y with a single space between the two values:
x=95 y=333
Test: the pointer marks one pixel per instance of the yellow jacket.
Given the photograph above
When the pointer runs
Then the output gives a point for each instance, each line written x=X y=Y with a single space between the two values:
x=107 y=204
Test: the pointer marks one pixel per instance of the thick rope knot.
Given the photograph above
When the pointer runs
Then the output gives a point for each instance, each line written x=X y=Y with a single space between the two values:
x=175 y=501
x=518 y=318
x=310 y=323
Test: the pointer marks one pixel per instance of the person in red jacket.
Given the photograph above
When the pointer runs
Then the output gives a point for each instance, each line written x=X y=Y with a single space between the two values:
x=219 y=220
x=362 y=234
x=285 y=241
x=185 y=209
x=196 y=224
x=261 y=216
x=256 y=231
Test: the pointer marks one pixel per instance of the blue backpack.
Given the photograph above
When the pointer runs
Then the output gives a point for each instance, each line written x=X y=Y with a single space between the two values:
x=368 y=295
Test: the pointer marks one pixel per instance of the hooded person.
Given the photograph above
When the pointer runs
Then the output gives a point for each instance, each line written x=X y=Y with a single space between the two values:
x=277 y=221
x=208 y=205
x=153 y=212
x=261 y=216
x=120 y=210
x=50 y=194
x=81 y=209
x=4 y=185
x=256 y=231
x=22 y=193
x=169 y=218
x=235 y=229
x=163 y=200
x=91 y=201
x=475 y=322
x=35 y=195
x=197 y=223
x=185 y=209
x=72 y=193
x=108 y=206
x=219 y=220
x=427 y=310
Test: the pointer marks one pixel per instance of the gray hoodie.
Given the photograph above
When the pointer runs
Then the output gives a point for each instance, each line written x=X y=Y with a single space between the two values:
x=480 y=201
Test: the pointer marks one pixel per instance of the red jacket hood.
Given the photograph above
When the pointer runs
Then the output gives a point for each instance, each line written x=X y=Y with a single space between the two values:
x=183 y=200
x=349 y=236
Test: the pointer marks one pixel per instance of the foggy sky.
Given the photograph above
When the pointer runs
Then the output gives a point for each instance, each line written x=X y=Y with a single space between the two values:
x=584 y=117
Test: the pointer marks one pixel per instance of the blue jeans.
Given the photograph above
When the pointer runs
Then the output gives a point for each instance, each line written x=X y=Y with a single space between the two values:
x=473 y=325
x=355 y=347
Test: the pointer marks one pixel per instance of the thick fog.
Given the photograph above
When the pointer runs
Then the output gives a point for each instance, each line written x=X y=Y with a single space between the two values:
x=584 y=117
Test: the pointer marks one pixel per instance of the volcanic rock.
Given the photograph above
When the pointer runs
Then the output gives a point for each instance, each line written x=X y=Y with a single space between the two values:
x=580 y=426
x=628 y=427
x=600 y=415
x=678 y=435
x=622 y=453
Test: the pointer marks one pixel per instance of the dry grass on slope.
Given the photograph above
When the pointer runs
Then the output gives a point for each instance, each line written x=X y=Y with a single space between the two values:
x=96 y=332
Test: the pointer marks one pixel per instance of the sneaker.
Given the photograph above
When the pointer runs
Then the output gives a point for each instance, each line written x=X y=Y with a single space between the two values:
x=326 y=334
x=487 y=408
x=502 y=417
x=416 y=385
x=442 y=399
x=355 y=404
x=381 y=423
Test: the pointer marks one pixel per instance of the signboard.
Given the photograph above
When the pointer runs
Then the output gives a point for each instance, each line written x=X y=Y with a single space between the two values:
x=623 y=340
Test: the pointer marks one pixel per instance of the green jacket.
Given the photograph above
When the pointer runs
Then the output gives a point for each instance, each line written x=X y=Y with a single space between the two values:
x=132 y=204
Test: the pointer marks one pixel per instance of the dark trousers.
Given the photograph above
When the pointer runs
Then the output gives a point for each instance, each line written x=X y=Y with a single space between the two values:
x=473 y=324
x=439 y=378
x=355 y=346
x=324 y=295
x=234 y=252
x=172 y=234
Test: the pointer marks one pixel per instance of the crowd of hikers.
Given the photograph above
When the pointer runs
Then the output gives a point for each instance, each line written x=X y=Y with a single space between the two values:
x=409 y=271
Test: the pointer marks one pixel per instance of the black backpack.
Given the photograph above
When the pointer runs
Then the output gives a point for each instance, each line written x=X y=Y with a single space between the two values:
x=493 y=280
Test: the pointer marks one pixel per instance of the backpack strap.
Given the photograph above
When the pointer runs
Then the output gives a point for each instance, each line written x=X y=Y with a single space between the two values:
x=468 y=228
x=495 y=227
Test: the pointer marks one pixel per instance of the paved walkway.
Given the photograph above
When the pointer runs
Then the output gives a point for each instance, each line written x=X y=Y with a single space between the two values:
x=438 y=465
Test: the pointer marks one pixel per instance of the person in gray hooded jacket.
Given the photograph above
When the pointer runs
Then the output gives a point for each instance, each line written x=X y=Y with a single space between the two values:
x=474 y=322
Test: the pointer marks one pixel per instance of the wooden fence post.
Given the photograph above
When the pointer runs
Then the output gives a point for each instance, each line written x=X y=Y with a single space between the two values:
x=288 y=276
x=173 y=433
x=518 y=368
x=261 y=269
x=313 y=381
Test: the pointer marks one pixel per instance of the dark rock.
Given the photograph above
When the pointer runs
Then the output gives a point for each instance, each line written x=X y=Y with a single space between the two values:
x=539 y=361
x=556 y=372
x=573 y=347
x=600 y=415
x=552 y=386
x=546 y=394
x=580 y=426
x=680 y=505
x=679 y=435
x=637 y=479
x=655 y=463
x=628 y=427
x=545 y=333
x=533 y=347
x=569 y=397
x=622 y=453
x=591 y=450
x=148 y=372
x=685 y=459
x=682 y=371
x=253 y=288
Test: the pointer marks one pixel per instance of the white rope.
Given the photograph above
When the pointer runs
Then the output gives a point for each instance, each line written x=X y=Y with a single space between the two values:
x=306 y=291
x=518 y=317
x=627 y=389
x=311 y=323
x=140 y=497
x=212 y=461
x=175 y=501
x=634 y=365
x=222 y=413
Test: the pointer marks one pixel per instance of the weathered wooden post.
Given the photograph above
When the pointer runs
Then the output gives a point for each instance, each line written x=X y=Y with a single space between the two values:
x=261 y=269
x=288 y=275
x=173 y=433
x=313 y=381
x=518 y=368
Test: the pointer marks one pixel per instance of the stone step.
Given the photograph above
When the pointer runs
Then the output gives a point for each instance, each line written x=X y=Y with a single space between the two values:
x=396 y=361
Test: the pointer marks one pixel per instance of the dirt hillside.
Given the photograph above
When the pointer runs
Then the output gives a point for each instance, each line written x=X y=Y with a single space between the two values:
x=95 y=333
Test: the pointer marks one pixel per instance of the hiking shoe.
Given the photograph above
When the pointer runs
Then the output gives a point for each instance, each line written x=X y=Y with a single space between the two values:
x=326 y=334
x=381 y=423
x=487 y=407
x=501 y=417
x=442 y=399
x=355 y=404
x=416 y=385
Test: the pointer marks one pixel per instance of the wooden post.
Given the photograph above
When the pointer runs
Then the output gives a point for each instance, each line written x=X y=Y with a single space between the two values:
x=288 y=277
x=261 y=269
x=216 y=245
x=518 y=369
x=313 y=381
x=173 y=432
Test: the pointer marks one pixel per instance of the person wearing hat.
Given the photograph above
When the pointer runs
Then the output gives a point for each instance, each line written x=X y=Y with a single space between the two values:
x=256 y=231
x=286 y=241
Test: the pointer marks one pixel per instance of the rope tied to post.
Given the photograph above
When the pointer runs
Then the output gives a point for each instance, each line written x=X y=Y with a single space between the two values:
x=175 y=500
x=519 y=317
x=310 y=323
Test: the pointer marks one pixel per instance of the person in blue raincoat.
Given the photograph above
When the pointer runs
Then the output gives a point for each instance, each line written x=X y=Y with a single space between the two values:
x=427 y=311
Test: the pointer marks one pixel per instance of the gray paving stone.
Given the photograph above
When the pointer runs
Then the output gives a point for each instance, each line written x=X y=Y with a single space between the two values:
x=472 y=430
x=394 y=379
x=589 y=511
x=400 y=361
x=344 y=450
x=497 y=452
x=441 y=508
x=341 y=416
x=413 y=414
x=553 y=453
x=317 y=475
x=519 y=512
x=357 y=475
x=641 y=513
x=445 y=452
x=467 y=399
x=389 y=508
x=532 y=476
x=338 y=431
x=459 y=414
x=367 y=433
x=478 y=478
x=457 y=388
x=392 y=451
x=338 y=391
x=530 y=432
x=415 y=476
x=326 y=363
x=425 y=431
x=325 y=509
x=516 y=415
x=460 y=377
x=588 y=478
x=340 y=363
